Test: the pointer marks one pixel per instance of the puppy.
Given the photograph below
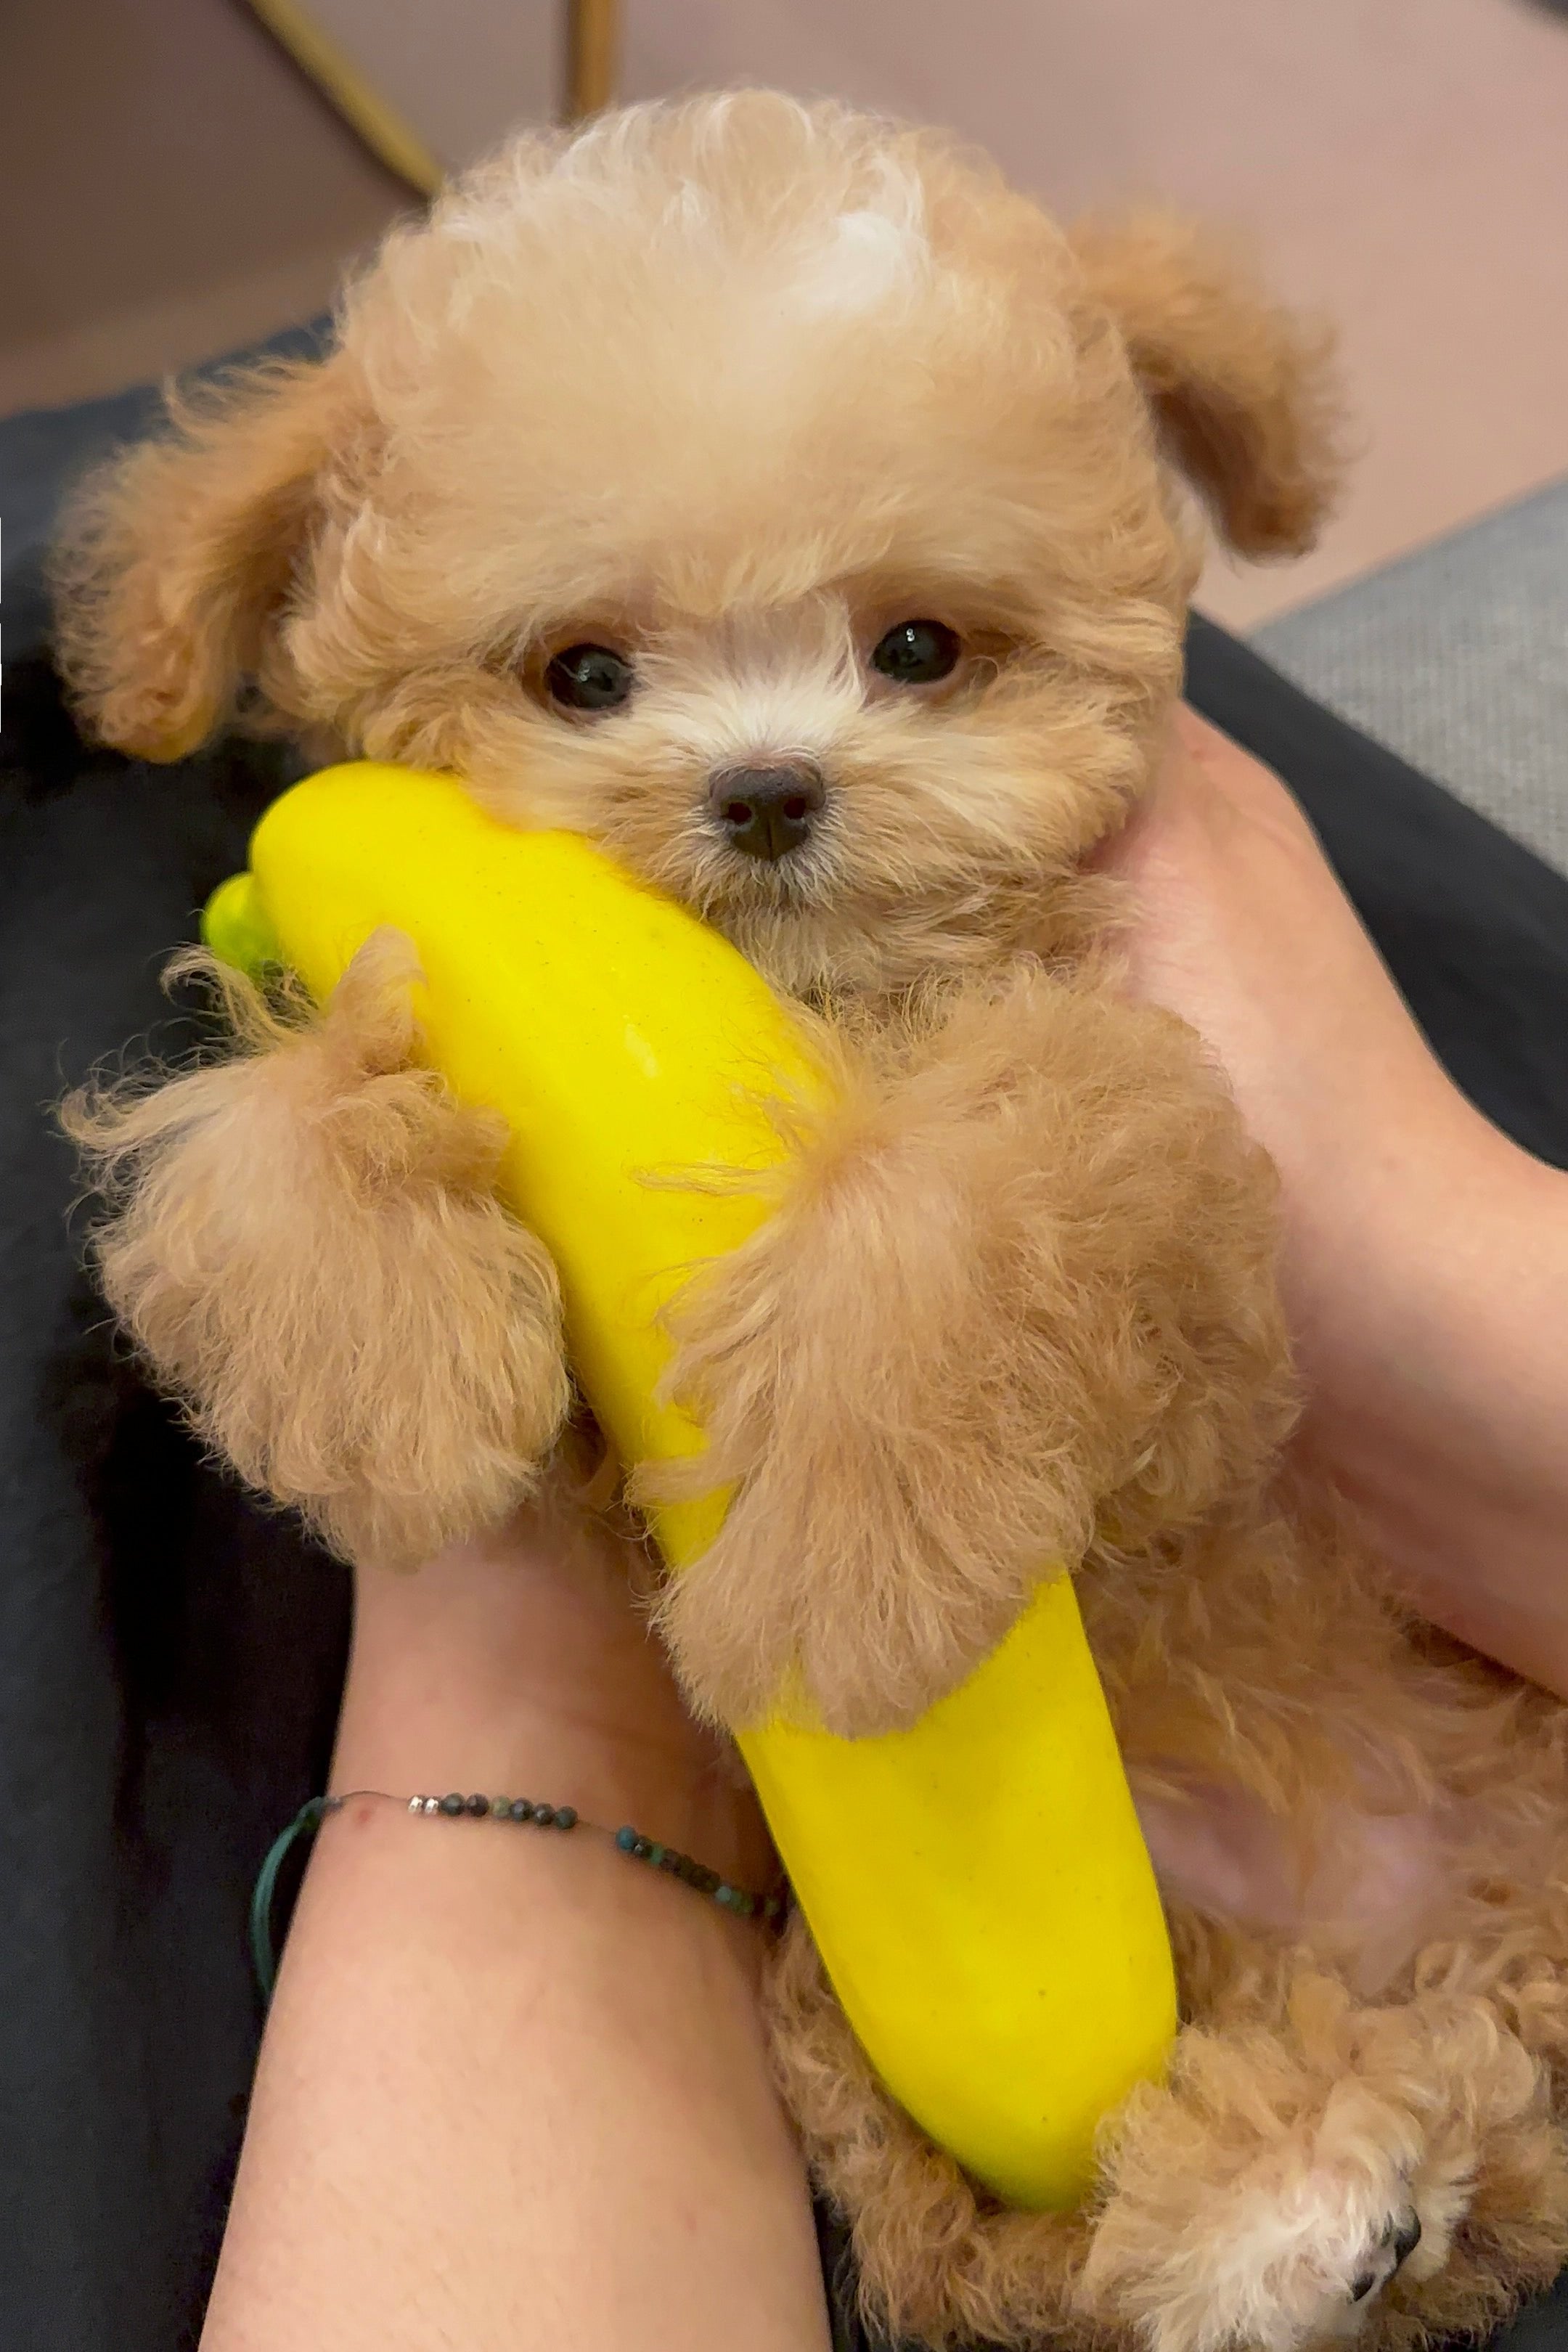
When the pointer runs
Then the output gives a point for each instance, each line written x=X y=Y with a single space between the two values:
x=769 y=494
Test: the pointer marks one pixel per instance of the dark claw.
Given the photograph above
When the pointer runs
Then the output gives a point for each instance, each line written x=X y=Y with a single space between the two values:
x=1401 y=2236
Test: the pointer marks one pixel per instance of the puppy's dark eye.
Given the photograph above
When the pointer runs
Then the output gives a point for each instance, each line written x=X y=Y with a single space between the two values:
x=917 y=653
x=589 y=677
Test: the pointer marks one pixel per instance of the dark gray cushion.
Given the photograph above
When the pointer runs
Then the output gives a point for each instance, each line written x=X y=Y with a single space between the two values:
x=1456 y=657
x=44 y=451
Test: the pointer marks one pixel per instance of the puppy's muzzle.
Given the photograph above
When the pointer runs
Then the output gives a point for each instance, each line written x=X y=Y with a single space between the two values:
x=767 y=812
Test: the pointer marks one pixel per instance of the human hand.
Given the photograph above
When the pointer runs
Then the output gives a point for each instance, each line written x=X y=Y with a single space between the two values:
x=1424 y=1257
x=1242 y=930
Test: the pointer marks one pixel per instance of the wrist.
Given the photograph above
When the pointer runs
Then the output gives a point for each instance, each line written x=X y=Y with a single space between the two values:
x=519 y=1665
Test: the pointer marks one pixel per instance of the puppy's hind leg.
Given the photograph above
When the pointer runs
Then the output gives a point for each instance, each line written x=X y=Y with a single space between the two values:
x=306 y=1244
x=1314 y=2170
x=1309 y=2171
x=940 y=2261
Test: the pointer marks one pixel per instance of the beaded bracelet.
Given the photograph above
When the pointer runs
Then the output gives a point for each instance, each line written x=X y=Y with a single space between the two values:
x=767 y=1908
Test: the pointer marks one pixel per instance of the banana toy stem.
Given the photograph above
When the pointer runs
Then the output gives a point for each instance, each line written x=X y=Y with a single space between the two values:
x=977 y=1885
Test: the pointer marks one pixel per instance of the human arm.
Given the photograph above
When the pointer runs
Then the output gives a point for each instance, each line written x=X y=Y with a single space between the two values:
x=1426 y=1259
x=513 y=2088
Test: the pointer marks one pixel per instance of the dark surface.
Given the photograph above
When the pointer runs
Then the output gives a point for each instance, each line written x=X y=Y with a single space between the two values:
x=169 y=1656
x=1473 y=927
x=45 y=451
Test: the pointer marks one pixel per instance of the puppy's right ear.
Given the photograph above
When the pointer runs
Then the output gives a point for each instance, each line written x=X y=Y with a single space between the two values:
x=176 y=559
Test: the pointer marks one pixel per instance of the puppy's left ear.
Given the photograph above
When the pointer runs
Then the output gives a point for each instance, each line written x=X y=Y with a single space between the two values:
x=1241 y=389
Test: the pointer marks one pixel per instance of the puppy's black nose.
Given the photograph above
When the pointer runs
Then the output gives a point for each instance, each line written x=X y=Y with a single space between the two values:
x=767 y=812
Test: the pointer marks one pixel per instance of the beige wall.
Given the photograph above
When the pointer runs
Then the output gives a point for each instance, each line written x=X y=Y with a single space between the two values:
x=461 y=72
x=170 y=185
x=1403 y=163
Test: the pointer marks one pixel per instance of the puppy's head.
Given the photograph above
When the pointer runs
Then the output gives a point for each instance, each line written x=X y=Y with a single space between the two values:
x=763 y=491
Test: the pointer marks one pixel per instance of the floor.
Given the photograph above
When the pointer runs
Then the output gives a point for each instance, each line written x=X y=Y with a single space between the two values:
x=172 y=185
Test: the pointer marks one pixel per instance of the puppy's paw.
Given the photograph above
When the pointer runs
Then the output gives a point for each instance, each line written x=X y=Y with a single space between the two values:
x=1020 y=1289
x=1293 y=2255
x=308 y=1249
x=1305 y=2183
x=1396 y=2242
x=865 y=1394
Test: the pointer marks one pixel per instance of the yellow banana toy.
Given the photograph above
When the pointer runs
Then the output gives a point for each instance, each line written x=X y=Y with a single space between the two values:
x=977 y=1885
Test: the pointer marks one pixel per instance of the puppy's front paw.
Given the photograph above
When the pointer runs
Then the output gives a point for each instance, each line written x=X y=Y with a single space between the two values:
x=894 y=1500
x=1021 y=1282
x=309 y=1250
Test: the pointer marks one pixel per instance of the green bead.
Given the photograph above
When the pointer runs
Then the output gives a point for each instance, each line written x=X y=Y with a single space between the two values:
x=655 y=1854
x=453 y=1804
x=565 y=1817
x=627 y=1839
x=500 y=1808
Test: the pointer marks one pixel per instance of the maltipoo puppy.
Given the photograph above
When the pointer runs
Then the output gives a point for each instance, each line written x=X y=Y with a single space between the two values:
x=773 y=495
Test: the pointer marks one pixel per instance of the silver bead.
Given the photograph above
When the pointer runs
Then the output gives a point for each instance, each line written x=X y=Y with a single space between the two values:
x=432 y=1804
x=417 y=1804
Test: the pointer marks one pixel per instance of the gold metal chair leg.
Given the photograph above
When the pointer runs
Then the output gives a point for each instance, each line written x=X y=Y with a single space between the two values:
x=592 y=56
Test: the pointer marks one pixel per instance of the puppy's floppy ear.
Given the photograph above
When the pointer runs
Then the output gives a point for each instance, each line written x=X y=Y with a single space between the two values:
x=176 y=557
x=1241 y=388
